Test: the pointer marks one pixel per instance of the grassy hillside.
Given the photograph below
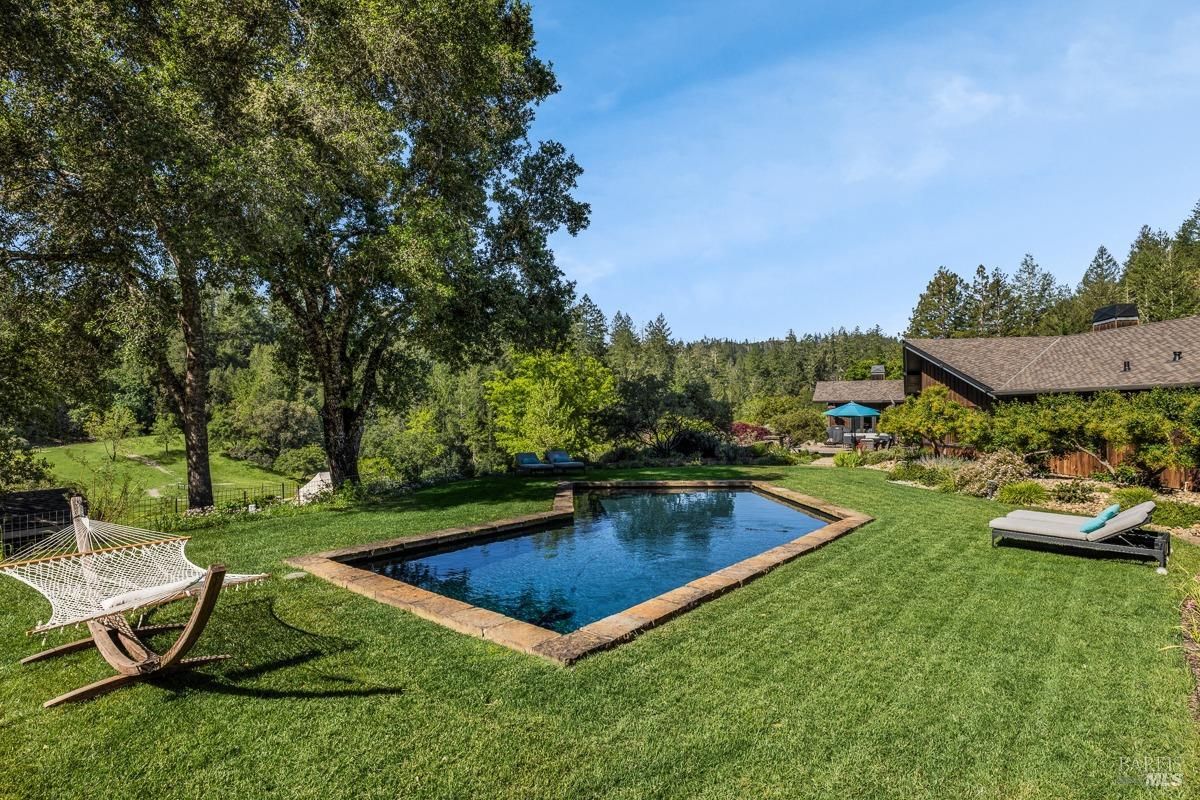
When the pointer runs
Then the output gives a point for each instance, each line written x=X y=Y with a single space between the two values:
x=159 y=474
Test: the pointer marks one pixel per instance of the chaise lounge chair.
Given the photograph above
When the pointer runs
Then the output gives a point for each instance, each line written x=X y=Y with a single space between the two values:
x=1122 y=533
x=559 y=459
x=529 y=462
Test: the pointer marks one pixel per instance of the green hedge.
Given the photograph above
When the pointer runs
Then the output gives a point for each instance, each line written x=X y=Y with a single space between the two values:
x=1022 y=493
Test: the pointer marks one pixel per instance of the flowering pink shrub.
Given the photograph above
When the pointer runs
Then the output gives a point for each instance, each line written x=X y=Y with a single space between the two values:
x=748 y=432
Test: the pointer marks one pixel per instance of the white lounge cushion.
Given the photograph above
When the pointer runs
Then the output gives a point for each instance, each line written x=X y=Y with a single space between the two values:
x=1049 y=515
x=1060 y=529
x=1127 y=520
x=138 y=596
x=1066 y=526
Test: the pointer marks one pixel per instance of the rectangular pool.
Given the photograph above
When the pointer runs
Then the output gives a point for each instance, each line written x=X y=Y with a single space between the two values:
x=622 y=548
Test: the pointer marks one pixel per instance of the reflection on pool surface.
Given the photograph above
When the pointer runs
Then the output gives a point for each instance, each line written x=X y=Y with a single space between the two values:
x=623 y=548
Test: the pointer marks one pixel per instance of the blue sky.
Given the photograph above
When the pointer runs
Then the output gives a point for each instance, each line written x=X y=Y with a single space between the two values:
x=759 y=166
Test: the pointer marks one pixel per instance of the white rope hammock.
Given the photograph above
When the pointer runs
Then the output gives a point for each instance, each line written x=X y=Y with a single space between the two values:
x=125 y=569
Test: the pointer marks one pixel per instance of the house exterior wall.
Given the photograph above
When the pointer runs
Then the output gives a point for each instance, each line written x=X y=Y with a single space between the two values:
x=920 y=373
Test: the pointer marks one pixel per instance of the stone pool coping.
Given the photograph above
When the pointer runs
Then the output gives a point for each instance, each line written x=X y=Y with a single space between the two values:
x=596 y=636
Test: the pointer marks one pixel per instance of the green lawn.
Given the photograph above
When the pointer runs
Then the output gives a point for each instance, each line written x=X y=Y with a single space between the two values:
x=163 y=474
x=908 y=659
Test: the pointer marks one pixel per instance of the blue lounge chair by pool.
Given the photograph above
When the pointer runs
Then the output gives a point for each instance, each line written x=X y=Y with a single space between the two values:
x=529 y=462
x=559 y=459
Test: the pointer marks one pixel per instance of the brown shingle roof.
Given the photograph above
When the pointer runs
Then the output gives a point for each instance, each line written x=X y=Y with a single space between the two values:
x=858 y=392
x=1082 y=362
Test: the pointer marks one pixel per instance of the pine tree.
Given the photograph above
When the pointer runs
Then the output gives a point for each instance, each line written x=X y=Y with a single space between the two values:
x=1186 y=246
x=990 y=304
x=939 y=310
x=624 y=347
x=1100 y=286
x=658 y=351
x=1036 y=294
x=589 y=328
x=1161 y=287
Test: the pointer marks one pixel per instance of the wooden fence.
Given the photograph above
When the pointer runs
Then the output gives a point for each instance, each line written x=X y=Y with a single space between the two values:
x=1085 y=465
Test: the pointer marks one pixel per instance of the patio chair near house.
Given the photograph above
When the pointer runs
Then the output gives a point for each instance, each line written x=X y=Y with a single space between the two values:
x=561 y=460
x=1109 y=532
x=529 y=463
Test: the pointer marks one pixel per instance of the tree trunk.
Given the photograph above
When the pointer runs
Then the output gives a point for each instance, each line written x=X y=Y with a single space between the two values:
x=340 y=363
x=193 y=405
x=342 y=429
x=189 y=392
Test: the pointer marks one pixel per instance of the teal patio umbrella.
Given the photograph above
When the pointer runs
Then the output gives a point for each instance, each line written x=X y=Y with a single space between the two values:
x=852 y=411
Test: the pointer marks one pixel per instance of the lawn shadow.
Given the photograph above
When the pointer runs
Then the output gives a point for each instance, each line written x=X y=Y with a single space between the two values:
x=262 y=644
x=501 y=489
x=1074 y=552
x=484 y=491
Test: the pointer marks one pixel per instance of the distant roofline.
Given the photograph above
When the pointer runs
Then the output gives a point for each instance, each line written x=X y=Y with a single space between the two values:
x=1081 y=389
x=908 y=344
x=1107 y=332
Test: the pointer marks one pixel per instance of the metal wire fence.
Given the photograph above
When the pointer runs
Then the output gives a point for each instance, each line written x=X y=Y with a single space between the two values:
x=21 y=529
x=224 y=497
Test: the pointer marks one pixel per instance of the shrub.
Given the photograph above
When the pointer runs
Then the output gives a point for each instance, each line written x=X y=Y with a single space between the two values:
x=1022 y=493
x=848 y=458
x=376 y=470
x=776 y=456
x=1125 y=475
x=20 y=467
x=1073 y=492
x=949 y=463
x=301 y=462
x=619 y=453
x=1131 y=496
x=747 y=432
x=801 y=425
x=986 y=475
x=1171 y=514
x=915 y=472
x=879 y=456
x=111 y=492
x=932 y=416
x=698 y=439
x=907 y=471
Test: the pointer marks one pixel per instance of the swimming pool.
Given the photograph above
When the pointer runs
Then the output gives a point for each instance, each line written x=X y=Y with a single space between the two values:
x=621 y=549
x=608 y=561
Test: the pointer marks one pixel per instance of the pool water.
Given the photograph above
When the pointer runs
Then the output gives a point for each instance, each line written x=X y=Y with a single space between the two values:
x=621 y=549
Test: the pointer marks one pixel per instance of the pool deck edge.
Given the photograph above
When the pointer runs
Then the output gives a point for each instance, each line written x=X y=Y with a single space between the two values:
x=594 y=637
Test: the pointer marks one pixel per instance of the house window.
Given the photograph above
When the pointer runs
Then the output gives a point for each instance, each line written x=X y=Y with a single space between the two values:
x=1125 y=367
x=1177 y=355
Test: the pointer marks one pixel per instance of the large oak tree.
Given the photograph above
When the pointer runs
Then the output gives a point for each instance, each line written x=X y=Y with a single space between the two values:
x=122 y=152
x=403 y=210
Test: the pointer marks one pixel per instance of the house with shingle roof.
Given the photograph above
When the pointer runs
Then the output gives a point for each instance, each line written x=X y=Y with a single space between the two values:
x=1117 y=354
x=878 y=393
x=874 y=393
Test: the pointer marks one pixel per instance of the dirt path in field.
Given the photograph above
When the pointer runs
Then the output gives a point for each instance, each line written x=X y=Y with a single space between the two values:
x=149 y=462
